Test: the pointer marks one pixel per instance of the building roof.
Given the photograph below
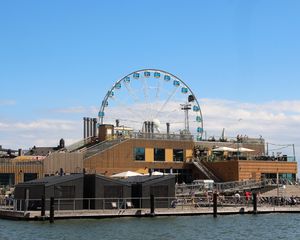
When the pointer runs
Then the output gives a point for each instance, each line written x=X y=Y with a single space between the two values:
x=145 y=179
x=113 y=180
x=52 y=180
x=41 y=151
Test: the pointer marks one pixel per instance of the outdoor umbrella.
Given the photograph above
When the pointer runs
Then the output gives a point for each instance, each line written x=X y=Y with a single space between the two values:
x=224 y=149
x=126 y=174
x=242 y=149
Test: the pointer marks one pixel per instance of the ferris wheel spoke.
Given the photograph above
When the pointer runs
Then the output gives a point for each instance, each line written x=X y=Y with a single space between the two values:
x=158 y=90
x=126 y=107
x=132 y=93
x=166 y=102
x=146 y=97
x=170 y=113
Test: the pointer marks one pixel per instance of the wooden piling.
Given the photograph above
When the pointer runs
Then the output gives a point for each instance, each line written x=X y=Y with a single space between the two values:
x=43 y=206
x=152 y=207
x=254 y=203
x=215 y=202
x=51 y=219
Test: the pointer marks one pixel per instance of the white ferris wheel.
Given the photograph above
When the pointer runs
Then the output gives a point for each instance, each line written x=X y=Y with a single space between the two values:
x=156 y=97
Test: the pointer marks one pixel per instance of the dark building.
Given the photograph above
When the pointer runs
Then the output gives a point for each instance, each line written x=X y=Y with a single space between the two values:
x=142 y=187
x=105 y=192
x=93 y=191
x=63 y=188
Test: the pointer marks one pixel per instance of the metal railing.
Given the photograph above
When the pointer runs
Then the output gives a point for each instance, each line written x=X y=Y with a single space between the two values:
x=102 y=146
x=76 y=204
x=227 y=187
x=115 y=205
x=79 y=144
x=205 y=170
x=161 y=136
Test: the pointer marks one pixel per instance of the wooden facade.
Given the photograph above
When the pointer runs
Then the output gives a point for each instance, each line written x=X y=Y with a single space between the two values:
x=19 y=169
x=250 y=170
x=68 y=162
x=120 y=158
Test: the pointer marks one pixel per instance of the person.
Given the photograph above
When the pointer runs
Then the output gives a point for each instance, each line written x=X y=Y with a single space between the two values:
x=237 y=197
x=247 y=196
x=174 y=203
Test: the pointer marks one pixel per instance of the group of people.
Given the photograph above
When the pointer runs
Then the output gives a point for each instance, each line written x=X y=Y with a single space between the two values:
x=241 y=138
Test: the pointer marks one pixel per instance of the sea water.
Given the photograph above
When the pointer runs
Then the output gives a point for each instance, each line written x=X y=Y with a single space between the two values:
x=233 y=227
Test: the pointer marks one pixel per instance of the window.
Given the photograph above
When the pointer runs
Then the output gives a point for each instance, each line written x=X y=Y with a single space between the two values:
x=7 y=179
x=159 y=154
x=64 y=191
x=178 y=155
x=139 y=154
x=30 y=176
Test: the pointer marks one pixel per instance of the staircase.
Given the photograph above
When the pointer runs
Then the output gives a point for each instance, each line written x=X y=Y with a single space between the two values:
x=102 y=146
x=202 y=168
x=79 y=145
x=238 y=186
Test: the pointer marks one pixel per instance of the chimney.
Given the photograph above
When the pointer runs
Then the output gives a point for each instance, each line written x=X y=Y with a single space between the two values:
x=84 y=128
x=91 y=127
x=95 y=127
x=168 y=128
x=87 y=127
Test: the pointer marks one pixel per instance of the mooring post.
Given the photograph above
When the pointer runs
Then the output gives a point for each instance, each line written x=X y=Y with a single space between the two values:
x=51 y=219
x=215 y=200
x=152 y=207
x=254 y=203
x=43 y=206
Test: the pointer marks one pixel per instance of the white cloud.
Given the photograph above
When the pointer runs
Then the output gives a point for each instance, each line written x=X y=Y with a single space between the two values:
x=276 y=121
x=7 y=102
x=44 y=132
x=78 y=110
x=44 y=124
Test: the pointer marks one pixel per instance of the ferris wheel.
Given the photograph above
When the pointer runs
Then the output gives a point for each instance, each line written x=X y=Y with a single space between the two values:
x=156 y=96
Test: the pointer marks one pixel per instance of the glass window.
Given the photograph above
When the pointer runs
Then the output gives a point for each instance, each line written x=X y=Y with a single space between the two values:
x=178 y=155
x=159 y=154
x=30 y=176
x=139 y=154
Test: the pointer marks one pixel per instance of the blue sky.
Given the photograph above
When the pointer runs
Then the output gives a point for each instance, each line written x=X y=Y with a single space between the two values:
x=58 y=59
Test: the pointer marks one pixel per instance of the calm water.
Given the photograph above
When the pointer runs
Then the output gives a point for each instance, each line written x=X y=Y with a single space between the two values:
x=272 y=226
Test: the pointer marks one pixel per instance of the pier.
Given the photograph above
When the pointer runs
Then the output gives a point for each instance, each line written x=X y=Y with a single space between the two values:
x=188 y=208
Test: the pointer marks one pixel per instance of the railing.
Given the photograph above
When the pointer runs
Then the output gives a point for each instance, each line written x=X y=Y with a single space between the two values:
x=280 y=181
x=79 y=144
x=206 y=171
x=246 y=140
x=102 y=146
x=75 y=204
x=161 y=136
x=115 y=205
x=227 y=187
x=237 y=185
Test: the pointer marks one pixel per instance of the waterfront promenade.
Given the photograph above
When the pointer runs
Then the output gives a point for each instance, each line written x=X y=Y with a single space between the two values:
x=145 y=212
